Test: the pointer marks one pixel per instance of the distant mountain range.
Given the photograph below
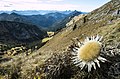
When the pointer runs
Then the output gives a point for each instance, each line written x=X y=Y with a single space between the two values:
x=62 y=23
x=36 y=12
x=46 y=21
x=18 y=29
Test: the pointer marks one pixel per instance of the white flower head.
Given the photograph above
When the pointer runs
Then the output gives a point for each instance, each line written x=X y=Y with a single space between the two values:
x=88 y=53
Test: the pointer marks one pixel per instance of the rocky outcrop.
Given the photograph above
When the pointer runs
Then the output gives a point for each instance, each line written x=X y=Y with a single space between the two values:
x=75 y=19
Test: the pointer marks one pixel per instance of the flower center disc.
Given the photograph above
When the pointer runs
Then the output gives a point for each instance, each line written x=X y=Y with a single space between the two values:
x=89 y=51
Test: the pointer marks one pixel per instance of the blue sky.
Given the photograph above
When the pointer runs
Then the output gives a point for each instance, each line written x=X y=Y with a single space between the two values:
x=81 y=5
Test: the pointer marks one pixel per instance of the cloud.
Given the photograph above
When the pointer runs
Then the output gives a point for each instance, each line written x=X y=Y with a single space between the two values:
x=28 y=1
x=7 y=6
x=50 y=0
x=54 y=0
x=34 y=5
x=45 y=7
x=81 y=5
x=20 y=1
x=27 y=6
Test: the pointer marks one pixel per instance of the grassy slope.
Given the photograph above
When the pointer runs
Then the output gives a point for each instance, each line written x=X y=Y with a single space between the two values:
x=63 y=39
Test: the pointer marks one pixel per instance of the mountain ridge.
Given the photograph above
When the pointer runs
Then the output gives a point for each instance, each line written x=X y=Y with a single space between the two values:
x=19 y=32
x=37 y=12
x=42 y=21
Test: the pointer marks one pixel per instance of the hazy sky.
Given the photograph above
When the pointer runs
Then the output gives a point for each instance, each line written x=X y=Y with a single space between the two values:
x=81 y=5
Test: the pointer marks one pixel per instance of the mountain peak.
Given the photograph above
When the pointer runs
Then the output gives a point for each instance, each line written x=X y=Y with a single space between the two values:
x=3 y=14
x=13 y=13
